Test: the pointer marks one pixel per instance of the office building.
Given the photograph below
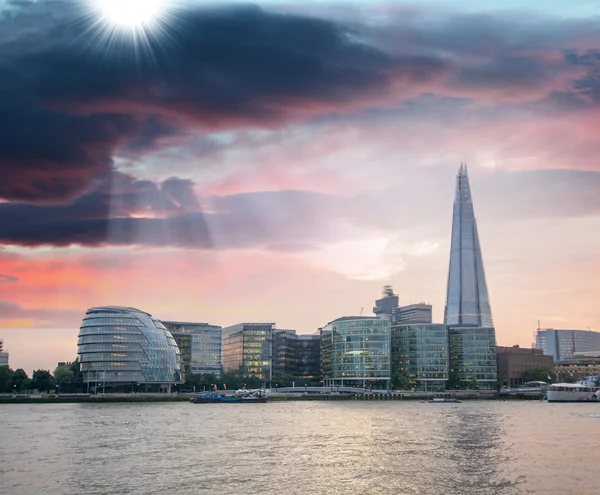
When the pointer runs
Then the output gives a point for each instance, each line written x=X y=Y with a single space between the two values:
x=472 y=352
x=413 y=313
x=467 y=300
x=355 y=351
x=563 y=344
x=420 y=352
x=387 y=306
x=309 y=359
x=200 y=346
x=3 y=355
x=247 y=349
x=513 y=361
x=285 y=352
x=124 y=349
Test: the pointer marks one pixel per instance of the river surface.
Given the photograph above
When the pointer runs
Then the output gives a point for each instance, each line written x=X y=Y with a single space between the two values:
x=300 y=448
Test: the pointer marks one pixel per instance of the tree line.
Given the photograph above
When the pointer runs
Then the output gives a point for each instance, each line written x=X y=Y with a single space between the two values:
x=67 y=379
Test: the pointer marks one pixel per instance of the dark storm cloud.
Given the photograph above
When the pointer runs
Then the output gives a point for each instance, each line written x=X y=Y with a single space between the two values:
x=125 y=211
x=68 y=99
x=120 y=210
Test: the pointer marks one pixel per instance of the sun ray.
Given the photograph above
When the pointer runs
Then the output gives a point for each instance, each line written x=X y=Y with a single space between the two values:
x=127 y=27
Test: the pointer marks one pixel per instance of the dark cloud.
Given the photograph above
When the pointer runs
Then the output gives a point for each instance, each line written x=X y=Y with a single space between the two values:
x=5 y=279
x=125 y=211
x=120 y=210
x=69 y=99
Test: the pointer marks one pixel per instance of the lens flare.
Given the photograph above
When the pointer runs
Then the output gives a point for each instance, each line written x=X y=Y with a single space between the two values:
x=130 y=13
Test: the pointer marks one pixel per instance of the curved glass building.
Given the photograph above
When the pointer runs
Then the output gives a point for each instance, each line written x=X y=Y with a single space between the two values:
x=125 y=349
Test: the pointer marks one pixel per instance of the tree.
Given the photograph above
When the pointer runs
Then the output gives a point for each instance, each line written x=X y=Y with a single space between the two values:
x=19 y=380
x=400 y=381
x=77 y=374
x=63 y=374
x=473 y=384
x=538 y=374
x=42 y=380
x=285 y=379
x=5 y=377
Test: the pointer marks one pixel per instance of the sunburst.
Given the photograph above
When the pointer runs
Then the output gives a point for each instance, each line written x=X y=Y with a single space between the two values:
x=141 y=25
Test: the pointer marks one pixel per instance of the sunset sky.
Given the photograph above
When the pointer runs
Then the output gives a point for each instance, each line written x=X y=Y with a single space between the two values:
x=282 y=161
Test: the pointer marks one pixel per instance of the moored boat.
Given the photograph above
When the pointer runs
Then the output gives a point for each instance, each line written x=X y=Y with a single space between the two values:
x=215 y=398
x=437 y=400
x=572 y=392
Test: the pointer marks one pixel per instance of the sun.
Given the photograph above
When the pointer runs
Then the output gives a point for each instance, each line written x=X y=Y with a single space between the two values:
x=132 y=14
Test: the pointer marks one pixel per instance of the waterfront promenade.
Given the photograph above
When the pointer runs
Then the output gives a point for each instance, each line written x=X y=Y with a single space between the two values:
x=279 y=395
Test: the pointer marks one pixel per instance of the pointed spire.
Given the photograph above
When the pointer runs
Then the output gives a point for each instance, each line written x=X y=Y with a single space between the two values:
x=467 y=299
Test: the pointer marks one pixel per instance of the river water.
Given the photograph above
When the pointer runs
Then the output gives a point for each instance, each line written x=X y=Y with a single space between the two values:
x=300 y=448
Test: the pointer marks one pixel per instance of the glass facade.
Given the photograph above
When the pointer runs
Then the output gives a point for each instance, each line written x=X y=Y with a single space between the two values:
x=309 y=359
x=247 y=349
x=562 y=344
x=355 y=351
x=200 y=345
x=472 y=353
x=420 y=352
x=119 y=345
x=285 y=351
x=467 y=300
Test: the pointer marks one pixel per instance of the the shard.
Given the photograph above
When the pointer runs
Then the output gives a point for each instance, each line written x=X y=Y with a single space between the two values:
x=467 y=300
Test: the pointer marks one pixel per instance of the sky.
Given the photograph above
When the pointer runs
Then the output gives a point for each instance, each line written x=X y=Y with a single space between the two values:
x=283 y=160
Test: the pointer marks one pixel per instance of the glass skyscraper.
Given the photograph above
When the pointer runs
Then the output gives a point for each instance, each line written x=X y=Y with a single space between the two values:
x=471 y=334
x=467 y=300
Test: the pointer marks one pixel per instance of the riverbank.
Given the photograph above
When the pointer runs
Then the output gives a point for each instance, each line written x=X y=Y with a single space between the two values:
x=273 y=397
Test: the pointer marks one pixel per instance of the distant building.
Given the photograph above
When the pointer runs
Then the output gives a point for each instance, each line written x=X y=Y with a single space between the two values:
x=413 y=313
x=420 y=351
x=563 y=344
x=200 y=345
x=387 y=306
x=64 y=364
x=121 y=349
x=309 y=359
x=3 y=355
x=472 y=352
x=513 y=361
x=247 y=349
x=581 y=366
x=285 y=351
x=355 y=351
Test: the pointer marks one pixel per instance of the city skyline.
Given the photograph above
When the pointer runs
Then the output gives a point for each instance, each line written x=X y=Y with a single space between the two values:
x=287 y=173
